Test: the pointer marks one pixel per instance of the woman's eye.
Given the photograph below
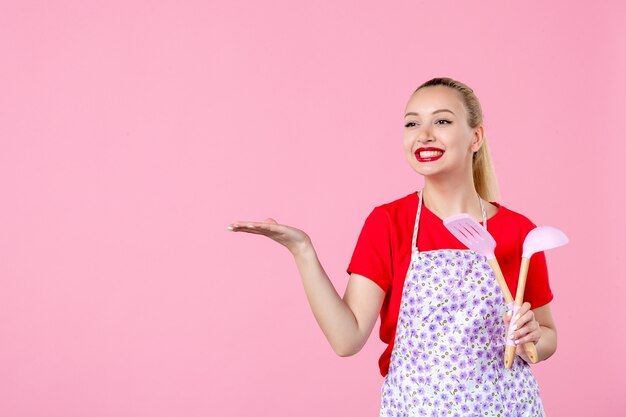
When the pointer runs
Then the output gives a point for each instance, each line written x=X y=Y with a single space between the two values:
x=410 y=124
x=443 y=122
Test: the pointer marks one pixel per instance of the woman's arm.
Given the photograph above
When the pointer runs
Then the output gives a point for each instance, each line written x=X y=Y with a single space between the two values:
x=535 y=326
x=346 y=322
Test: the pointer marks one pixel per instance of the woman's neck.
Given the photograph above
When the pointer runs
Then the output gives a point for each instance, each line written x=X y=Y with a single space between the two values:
x=445 y=198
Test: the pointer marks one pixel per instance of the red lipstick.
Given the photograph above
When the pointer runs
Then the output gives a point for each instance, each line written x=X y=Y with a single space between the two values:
x=431 y=154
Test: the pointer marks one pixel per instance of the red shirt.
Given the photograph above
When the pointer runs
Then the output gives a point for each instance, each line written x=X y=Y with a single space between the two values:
x=383 y=253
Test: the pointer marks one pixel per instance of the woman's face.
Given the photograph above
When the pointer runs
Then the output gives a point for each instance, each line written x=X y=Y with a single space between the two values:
x=438 y=140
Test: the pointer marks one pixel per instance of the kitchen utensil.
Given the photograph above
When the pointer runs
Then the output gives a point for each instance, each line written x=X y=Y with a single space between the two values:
x=539 y=239
x=478 y=239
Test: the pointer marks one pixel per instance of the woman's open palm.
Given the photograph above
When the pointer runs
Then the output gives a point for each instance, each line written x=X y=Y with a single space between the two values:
x=290 y=237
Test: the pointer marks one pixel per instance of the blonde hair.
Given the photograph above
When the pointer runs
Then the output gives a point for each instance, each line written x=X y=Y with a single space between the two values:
x=484 y=175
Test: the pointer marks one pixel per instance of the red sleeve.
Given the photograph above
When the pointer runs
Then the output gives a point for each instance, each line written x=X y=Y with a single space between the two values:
x=372 y=254
x=538 y=292
x=510 y=229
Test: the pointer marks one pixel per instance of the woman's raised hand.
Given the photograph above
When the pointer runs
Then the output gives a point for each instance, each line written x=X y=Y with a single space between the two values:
x=346 y=323
x=293 y=239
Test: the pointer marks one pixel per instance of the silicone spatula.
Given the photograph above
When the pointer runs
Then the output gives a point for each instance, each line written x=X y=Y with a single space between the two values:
x=478 y=239
x=537 y=240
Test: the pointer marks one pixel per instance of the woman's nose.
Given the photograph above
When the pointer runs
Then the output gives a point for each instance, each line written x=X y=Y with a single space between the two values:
x=425 y=136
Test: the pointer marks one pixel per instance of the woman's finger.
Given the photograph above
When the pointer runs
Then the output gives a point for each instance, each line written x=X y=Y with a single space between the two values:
x=254 y=231
x=246 y=226
x=522 y=322
x=522 y=315
x=522 y=310
x=525 y=318
x=532 y=336
x=506 y=318
x=531 y=326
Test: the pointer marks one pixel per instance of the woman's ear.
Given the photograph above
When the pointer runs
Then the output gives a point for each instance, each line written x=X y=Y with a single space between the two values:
x=478 y=138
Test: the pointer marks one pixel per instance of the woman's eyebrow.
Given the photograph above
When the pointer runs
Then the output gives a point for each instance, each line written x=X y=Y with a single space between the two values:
x=435 y=112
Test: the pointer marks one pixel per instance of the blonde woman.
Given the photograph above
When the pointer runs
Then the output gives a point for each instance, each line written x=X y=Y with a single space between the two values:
x=443 y=316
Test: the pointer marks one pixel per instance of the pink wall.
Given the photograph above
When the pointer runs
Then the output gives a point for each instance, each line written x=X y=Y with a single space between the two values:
x=132 y=133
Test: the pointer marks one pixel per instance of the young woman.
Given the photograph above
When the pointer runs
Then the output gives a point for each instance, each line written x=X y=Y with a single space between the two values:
x=443 y=315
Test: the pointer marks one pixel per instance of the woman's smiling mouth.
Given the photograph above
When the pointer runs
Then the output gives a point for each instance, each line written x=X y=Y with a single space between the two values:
x=428 y=154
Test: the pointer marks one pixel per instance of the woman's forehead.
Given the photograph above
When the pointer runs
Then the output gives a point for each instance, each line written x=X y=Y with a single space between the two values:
x=428 y=99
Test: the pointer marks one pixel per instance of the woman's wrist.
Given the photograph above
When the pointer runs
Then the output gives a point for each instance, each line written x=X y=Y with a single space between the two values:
x=302 y=249
x=546 y=345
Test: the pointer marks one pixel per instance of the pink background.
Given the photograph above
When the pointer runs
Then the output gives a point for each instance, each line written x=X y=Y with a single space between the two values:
x=133 y=133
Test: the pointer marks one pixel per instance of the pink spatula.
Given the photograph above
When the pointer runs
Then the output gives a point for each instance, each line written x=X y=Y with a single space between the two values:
x=539 y=239
x=477 y=239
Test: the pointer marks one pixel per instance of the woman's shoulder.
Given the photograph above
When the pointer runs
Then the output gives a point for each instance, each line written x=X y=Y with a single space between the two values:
x=511 y=219
x=396 y=213
x=406 y=203
x=397 y=210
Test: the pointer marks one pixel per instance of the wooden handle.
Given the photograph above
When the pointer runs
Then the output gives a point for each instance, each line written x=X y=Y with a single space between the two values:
x=521 y=284
x=509 y=356
x=529 y=347
x=493 y=263
x=531 y=351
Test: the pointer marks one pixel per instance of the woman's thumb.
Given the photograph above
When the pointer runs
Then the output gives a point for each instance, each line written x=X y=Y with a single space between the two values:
x=506 y=317
x=270 y=220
